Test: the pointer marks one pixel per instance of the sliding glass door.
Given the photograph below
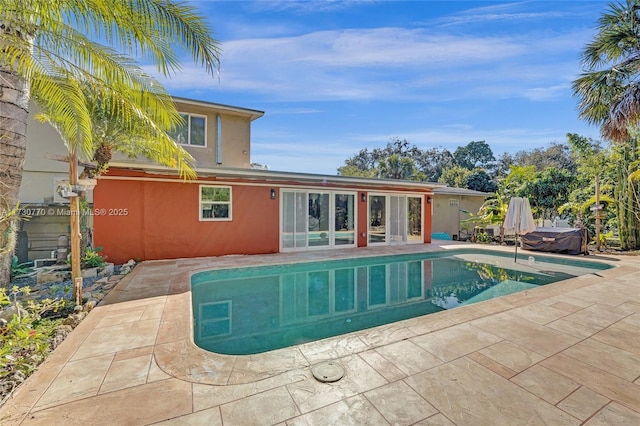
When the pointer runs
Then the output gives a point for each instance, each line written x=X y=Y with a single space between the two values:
x=414 y=219
x=395 y=219
x=318 y=228
x=377 y=219
x=344 y=220
x=317 y=219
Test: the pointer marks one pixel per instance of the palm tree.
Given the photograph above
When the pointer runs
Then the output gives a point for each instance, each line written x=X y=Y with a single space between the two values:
x=609 y=90
x=138 y=136
x=48 y=53
x=609 y=96
x=492 y=212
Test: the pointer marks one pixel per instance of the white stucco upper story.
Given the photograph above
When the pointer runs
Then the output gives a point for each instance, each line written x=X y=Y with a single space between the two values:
x=216 y=135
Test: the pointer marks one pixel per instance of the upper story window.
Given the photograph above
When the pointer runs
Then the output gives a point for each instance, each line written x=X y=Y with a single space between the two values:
x=193 y=132
x=215 y=202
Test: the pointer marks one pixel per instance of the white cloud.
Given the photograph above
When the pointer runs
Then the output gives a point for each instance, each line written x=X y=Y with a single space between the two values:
x=546 y=93
x=381 y=47
x=307 y=7
x=389 y=64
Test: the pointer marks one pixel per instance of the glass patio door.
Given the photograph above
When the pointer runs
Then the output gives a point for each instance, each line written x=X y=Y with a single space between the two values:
x=377 y=219
x=414 y=218
x=294 y=220
x=395 y=219
x=344 y=219
x=318 y=213
x=317 y=219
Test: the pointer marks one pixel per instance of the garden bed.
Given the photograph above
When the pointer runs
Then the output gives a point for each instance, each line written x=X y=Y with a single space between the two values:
x=36 y=317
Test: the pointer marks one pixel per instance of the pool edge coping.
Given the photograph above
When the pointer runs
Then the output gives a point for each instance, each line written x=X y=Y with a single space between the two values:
x=184 y=360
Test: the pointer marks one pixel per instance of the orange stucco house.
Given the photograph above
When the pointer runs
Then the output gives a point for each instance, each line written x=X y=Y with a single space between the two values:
x=144 y=211
x=149 y=213
x=144 y=214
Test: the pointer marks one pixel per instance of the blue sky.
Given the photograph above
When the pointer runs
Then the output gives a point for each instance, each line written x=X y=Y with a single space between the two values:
x=335 y=77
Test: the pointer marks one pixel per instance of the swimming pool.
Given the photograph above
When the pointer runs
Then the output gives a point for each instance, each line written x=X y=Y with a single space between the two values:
x=258 y=309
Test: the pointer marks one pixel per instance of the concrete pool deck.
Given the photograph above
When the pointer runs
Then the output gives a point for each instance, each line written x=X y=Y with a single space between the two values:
x=566 y=353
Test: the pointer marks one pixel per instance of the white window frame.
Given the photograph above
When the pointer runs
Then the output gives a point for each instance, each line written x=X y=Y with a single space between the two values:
x=202 y=204
x=388 y=236
x=332 y=209
x=188 y=123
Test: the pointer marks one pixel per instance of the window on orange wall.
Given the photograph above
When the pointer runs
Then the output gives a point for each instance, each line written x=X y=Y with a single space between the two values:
x=215 y=202
x=192 y=131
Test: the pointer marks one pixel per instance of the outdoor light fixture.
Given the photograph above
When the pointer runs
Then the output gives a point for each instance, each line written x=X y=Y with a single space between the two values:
x=363 y=197
x=428 y=199
x=273 y=194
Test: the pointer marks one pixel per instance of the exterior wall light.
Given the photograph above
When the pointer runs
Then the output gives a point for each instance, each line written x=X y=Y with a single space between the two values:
x=273 y=194
x=363 y=197
x=428 y=199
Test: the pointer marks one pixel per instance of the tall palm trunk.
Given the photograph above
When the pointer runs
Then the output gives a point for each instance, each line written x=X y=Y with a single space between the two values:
x=14 y=112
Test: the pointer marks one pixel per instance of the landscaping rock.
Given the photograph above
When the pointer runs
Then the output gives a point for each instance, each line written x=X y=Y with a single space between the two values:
x=74 y=319
x=7 y=314
x=127 y=267
x=106 y=270
x=90 y=273
x=98 y=284
x=90 y=305
x=62 y=332
x=47 y=276
x=96 y=297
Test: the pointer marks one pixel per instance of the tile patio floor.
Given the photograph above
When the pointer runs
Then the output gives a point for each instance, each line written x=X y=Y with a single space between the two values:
x=564 y=354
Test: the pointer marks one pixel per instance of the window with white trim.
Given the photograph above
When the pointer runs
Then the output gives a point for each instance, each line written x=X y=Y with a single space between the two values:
x=192 y=132
x=215 y=202
x=454 y=202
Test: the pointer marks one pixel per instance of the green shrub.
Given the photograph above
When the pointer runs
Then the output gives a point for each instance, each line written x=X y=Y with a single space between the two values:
x=483 y=237
x=25 y=338
x=92 y=258
x=18 y=269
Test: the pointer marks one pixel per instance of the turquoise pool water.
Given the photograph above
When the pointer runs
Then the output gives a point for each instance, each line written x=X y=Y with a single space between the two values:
x=258 y=309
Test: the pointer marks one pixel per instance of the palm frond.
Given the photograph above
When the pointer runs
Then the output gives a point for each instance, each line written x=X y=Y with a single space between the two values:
x=608 y=93
x=149 y=28
x=62 y=103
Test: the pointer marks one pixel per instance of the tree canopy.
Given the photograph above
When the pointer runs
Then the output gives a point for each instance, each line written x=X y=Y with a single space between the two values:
x=476 y=154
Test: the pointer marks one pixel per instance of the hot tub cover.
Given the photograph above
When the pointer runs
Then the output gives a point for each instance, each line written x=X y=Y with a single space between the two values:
x=557 y=240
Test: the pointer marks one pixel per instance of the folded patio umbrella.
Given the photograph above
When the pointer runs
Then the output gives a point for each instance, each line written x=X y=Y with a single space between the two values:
x=519 y=219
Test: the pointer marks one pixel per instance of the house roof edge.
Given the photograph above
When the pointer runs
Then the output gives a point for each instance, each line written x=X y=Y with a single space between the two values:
x=278 y=175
